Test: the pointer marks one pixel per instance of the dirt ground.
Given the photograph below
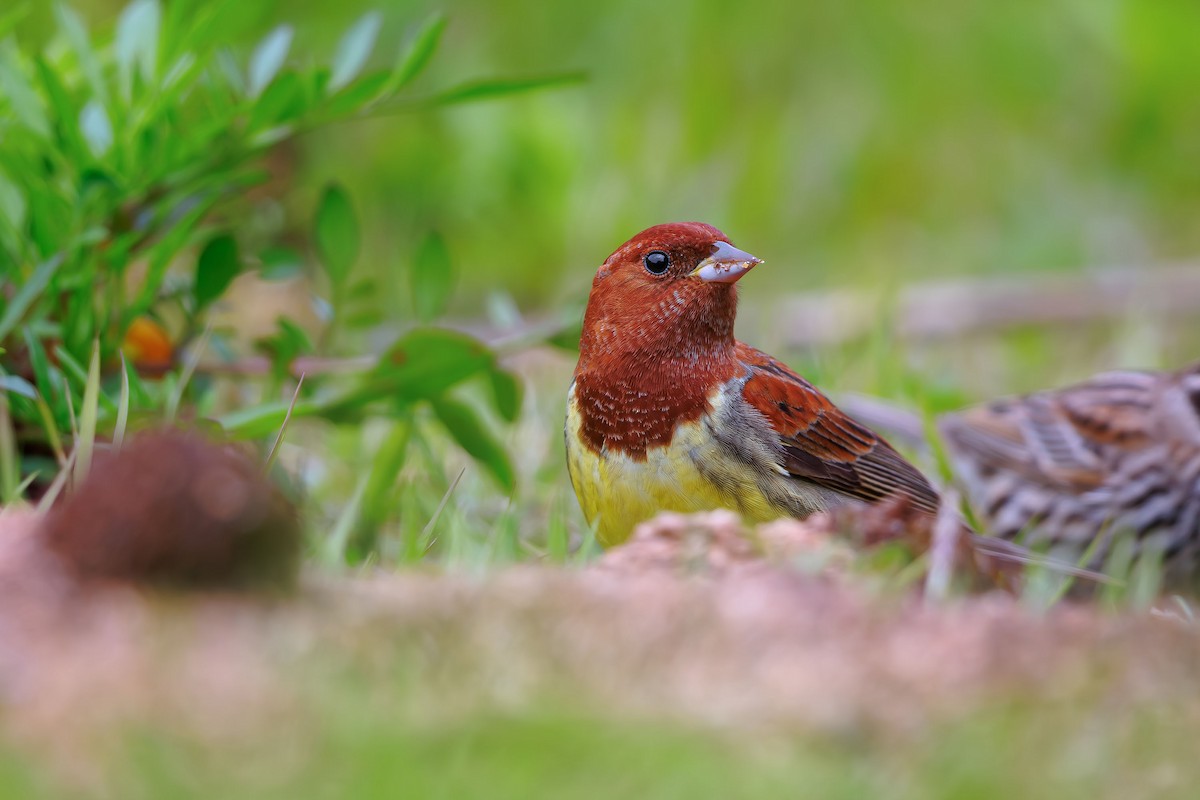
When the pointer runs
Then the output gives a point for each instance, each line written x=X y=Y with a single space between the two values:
x=687 y=623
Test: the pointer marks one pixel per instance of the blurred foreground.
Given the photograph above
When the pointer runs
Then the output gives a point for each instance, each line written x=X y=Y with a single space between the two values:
x=681 y=665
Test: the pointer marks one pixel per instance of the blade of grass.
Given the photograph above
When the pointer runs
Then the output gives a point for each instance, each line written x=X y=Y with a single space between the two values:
x=1146 y=578
x=947 y=530
x=57 y=485
x=490 y=89
x=1119 y=565
x=274 y=452
x=25 y=484
x=29 y=292
x=1185 y=608
x=910 y=574
x=334 y=550
x=9 y=469
x=558 y=538
x=380 y=496
x=427 y=531
x=122 y=407
x=76 y=372
x=39 y=363
x=71 y=414
x=51 y=430
x=474 y=91
x=417 y=54
x=1088 y=555
x=86 y=442
x=189 y=368
x=504 y=543
x=589 y=546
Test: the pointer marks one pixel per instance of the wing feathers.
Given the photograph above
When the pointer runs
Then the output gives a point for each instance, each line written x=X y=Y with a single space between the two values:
x=823 y=446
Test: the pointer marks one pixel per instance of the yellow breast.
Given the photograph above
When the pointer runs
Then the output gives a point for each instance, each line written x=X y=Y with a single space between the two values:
x=691 y=473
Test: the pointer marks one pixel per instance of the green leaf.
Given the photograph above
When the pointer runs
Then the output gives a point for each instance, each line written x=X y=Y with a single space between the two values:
x=282 y=102
x=97 y=130
x=28 y=294
x=184 y=219
x=50 y=428
x=254 y=422
x=282 y=347
x=47 y=210
x=136 y=43
x=268 y=58
x=39 y=363
x=354 y=49
x=337 y=234
x=12 y=204
x=64 y=108
x=178 y=77
x=474 y=91
x=76 y=35
x=425 y=362
x=506 y=391
x=18 y=385
x=15 y=87
x=473 y=436
x=219 y=263
x=432 y=278
x=415 y=57
x=357 y=96
x=201 y=27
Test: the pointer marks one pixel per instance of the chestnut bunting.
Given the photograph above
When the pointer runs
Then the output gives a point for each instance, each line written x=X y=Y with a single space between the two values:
x=668 y=411
x=1075 y=467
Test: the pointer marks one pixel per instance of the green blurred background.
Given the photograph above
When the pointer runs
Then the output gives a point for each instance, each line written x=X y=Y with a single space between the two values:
x=839 y=141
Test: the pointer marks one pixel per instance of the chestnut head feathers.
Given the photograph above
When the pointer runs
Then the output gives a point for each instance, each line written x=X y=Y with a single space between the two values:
x=668 y=291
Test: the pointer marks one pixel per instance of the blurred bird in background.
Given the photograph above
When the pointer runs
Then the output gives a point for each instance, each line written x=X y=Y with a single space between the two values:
x=1075 y=468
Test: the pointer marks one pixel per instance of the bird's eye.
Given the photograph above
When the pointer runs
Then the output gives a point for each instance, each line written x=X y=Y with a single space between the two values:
x=657 y=262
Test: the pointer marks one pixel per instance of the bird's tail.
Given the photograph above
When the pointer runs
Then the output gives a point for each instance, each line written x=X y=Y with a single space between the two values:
x=1000 y=561
x=952 y=546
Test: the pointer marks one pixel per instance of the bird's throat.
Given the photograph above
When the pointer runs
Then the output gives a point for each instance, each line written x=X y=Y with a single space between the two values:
x=631 y=402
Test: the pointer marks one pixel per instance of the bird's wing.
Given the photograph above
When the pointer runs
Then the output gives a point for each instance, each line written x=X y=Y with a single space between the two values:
x=823 y=446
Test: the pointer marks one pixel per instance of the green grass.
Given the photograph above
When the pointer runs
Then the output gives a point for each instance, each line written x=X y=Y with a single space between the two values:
x=1019 y=751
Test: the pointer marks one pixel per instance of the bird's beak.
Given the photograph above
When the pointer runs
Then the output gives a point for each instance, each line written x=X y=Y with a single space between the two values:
x=725 y=265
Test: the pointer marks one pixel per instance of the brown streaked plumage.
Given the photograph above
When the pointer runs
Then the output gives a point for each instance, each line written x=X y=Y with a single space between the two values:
x=1117 y=453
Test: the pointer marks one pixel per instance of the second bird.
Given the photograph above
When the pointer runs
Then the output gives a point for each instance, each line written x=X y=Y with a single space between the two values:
x=668 y=411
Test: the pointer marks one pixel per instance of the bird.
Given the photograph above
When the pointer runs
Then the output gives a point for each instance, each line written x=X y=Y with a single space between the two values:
x=1072 y=469
x=668 y=411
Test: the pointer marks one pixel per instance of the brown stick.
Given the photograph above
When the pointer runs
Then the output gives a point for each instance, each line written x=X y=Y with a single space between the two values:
x=952 y=308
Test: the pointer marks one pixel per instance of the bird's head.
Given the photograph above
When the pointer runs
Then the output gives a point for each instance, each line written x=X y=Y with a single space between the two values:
x=667 y=292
